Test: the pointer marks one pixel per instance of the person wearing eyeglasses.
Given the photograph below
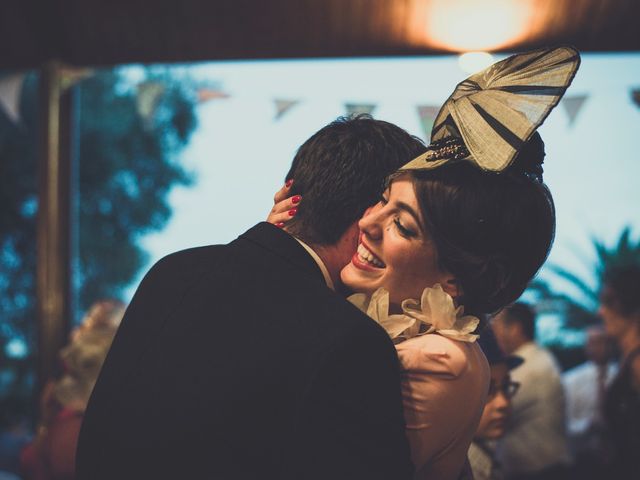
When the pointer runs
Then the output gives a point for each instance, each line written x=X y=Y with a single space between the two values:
x=534 y=446
x=496 y=411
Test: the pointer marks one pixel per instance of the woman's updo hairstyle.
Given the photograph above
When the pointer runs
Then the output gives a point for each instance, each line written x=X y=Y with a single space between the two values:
x=492 y=231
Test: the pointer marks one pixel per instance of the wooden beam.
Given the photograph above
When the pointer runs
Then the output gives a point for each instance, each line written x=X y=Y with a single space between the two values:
x=54 y=220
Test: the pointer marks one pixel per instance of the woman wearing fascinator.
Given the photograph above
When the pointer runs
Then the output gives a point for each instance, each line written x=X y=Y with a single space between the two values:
x=458 y=234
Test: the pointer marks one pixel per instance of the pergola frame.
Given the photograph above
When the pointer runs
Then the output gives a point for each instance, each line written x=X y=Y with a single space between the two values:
x=43 y=33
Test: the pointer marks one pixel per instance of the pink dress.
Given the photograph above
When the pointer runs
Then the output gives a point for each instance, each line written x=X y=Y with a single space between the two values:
x=444 y=376
x=444 y=388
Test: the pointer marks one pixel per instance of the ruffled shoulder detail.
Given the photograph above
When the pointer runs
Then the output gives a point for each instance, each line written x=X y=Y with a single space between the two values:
x=434 y=313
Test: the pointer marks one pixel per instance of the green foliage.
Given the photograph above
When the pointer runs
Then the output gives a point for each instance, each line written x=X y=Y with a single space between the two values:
x=127 y=164
x=579 y=311
x=624 y=252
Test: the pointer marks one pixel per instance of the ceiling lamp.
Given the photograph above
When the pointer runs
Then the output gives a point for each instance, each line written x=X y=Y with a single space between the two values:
x=471 y=25
x=472 y=62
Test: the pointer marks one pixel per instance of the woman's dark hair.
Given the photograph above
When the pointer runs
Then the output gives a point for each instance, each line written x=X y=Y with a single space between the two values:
x=492 y=231
x=621 y=289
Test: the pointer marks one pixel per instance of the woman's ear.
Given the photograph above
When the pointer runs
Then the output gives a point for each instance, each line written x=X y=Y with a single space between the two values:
x=451 y=286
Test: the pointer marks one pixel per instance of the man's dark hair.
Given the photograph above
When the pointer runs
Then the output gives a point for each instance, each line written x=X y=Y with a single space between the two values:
x=341 y=171
x=523 y=315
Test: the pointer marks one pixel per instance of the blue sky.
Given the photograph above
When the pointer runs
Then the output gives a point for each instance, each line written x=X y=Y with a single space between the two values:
x=240 y=153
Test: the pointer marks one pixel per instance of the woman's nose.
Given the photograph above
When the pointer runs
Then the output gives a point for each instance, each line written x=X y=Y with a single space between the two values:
x=369 y=224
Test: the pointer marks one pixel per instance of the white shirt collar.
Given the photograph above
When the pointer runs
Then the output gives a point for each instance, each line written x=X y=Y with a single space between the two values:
x=318 y=260
x=525 y=349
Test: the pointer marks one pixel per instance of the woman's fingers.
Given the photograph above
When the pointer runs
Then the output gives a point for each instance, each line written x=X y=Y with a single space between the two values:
x=285 y=207
x=283 y=193
x=281 y=219
x=284 y=210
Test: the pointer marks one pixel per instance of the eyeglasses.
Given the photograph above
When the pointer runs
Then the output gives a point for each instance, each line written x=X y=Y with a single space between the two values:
x=508 y=389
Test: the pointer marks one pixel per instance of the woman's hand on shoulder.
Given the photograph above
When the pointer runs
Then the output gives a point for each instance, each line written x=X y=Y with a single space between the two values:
x=285 y=206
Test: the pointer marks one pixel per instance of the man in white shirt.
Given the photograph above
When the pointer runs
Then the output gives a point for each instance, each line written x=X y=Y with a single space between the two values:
x=585 y=387
x=535 y=443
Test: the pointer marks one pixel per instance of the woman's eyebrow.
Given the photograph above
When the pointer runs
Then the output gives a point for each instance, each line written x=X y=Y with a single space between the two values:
x=407 y=208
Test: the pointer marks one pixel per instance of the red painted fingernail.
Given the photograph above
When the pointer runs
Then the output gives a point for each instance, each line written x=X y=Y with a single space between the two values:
x=289 y=183
x=280 y=224
x=296 y=199
x=292 y=212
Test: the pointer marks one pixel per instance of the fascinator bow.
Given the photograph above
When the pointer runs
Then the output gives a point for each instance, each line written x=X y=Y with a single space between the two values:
x=492 y=114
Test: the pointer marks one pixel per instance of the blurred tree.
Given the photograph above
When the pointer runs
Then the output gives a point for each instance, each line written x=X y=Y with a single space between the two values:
x=128 y=160
x=129 y=146
x=578 y=310
x=625 y=251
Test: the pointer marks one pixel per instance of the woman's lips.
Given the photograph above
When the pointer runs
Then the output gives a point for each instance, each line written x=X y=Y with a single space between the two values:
x=355 y=260
x=364 y=259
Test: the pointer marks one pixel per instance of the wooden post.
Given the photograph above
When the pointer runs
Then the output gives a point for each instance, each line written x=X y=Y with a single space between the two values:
x=53 y=274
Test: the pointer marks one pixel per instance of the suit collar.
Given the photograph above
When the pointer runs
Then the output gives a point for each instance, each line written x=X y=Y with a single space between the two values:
x=283 y=245
x=316 y=258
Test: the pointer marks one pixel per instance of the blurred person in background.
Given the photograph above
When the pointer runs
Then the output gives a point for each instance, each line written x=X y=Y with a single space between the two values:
x=497 y=410
x=620 y=311
x=51 y=455
x=535 y=442
x=14 y=434
x=585 y=388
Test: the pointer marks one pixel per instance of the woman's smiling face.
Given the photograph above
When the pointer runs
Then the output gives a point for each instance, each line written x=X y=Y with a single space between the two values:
x=394 y=250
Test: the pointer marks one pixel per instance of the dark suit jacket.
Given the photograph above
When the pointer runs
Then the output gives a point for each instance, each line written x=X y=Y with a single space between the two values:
x=237 y=362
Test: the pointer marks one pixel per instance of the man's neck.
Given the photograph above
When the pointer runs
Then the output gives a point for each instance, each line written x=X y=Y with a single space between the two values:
x=331 y=261
x=336 y=256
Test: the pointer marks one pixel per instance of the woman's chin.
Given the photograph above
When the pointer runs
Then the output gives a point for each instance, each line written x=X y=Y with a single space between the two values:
x=356 y=280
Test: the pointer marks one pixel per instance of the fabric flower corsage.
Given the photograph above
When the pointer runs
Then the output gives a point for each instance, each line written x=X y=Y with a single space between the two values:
x=434 y=313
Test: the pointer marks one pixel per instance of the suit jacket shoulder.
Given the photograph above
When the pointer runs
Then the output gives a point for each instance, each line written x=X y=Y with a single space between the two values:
x=220 y=364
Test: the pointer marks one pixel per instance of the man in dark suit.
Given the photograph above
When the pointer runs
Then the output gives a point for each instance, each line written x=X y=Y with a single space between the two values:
x=238 y=361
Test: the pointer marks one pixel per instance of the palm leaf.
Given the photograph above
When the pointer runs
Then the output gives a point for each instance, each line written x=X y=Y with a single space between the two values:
x=579 y=283
x=602 y=255
x=540 y=286
x=623 y=243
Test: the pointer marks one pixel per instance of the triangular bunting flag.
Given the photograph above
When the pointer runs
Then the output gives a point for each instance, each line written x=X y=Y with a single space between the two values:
x=148 y=96
x=283 y=106
x=10 y=91
x=635 y=96
x=573 y=105
x=427 y=114
x=358 y=108
x=206 y=94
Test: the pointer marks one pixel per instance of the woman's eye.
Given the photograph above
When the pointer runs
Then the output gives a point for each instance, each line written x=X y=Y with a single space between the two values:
x=404 y=231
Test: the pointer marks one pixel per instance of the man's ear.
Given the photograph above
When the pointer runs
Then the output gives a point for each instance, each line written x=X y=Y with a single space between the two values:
x=348 y=242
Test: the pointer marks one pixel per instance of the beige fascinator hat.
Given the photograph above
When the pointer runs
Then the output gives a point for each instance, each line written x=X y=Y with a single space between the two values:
x=491 y=115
